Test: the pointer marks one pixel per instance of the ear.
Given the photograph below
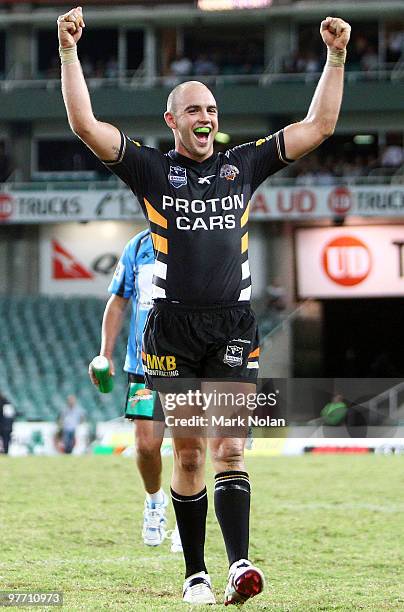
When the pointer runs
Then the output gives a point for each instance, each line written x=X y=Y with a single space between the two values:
x=170 y=120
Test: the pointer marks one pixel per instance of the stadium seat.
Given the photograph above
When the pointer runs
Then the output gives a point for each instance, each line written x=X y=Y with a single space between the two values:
x=43 y=363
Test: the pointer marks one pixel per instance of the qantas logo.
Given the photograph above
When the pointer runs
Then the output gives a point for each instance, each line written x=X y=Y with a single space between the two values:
x=65 y=266
x=205 y=180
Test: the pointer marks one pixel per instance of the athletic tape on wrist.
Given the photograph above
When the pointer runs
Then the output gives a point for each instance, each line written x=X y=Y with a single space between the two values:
x=68 y=55
x=336 y=58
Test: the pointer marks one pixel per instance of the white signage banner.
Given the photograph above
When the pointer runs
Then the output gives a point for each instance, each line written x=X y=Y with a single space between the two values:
x=81 y=259
x=350 y=261
x=64 y=206
x=327 y=202
x=267 y=203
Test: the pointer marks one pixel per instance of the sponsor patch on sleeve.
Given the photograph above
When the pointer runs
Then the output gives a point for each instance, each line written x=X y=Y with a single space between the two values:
x=261 y=141
x=119 y=271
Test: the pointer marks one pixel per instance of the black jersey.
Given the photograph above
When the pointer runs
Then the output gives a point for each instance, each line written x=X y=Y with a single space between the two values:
x=198 y=215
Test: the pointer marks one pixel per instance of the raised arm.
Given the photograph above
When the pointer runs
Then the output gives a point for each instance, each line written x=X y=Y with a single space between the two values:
x=321 y=119
x=102 y=138
x=111 y=327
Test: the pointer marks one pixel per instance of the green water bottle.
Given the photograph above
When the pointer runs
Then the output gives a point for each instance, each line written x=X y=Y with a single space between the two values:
x=100 y=367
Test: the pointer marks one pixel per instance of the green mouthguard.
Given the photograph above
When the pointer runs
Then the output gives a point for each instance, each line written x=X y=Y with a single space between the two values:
x=202 y=130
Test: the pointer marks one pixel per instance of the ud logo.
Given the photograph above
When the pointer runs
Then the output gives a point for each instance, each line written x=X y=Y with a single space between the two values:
x=229 y=172
x=233 y=355
x=177 y=176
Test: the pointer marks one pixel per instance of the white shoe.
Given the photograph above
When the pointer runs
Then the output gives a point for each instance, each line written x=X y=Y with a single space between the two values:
x=198 y=589
x=176 y=544
x=154 y=522
x=245 y=581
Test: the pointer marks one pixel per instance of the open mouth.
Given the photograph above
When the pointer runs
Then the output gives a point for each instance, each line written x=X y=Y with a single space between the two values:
x=202 y=134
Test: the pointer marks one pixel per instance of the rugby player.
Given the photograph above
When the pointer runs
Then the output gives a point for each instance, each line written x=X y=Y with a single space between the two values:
x=133 y=281
x=201 y=326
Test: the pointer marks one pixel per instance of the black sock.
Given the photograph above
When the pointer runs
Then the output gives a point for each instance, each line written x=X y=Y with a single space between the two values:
x=190 y=512
x=232 y=507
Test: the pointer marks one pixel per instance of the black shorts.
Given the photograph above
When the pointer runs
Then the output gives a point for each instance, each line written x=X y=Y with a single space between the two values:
x=148 y=408
x=188 y=342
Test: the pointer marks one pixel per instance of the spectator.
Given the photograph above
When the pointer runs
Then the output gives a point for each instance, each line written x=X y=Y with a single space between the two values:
x=324 y=176
x=392 y=156
x=289 y=63
x=69 y=420
x=112 y=68
x=335 y=412
x=181 y=66
x=312 y=64
x=352 y=168
x=7 y=416
x=312 y=170
x=370 y=60
x=356 y=53
x=395 y=46
x=306 y=171
x=204 y=66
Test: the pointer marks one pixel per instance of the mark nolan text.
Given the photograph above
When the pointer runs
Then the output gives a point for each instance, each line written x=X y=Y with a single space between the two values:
x=249 y=421
x=222 y=421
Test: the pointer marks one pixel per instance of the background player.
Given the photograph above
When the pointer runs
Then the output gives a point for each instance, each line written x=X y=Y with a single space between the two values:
x=222 y=276
x=132 y=280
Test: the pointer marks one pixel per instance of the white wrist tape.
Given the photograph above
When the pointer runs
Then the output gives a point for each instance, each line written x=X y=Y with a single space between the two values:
x=68 y=55
x=336 y=58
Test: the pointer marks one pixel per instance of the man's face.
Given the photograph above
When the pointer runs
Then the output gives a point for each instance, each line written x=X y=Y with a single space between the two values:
x=195 y=108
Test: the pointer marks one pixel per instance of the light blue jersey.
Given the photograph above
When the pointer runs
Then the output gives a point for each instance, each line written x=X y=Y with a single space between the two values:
x=133 y=279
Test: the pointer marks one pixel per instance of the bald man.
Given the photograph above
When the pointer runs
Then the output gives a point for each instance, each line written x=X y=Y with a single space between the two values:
x=201 y=335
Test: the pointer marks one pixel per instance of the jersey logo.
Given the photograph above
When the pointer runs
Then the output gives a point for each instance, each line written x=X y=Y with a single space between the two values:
x=119 y=272
x=205 y=180
x=233 y=355
x=229 y=172
x=177 y=176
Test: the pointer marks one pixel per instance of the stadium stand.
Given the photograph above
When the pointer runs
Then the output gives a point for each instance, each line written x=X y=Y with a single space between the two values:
x=65 y=333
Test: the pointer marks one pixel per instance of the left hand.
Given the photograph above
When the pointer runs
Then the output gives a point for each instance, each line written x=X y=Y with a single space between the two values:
x=335 y=33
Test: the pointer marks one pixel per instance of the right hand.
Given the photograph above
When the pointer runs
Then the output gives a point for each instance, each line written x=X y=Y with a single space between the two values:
x=92 y=375
x=335 y=33
x=70 y=27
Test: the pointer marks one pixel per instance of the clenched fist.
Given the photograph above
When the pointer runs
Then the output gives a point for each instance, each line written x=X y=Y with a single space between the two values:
x=70 y=27
x=335 y=32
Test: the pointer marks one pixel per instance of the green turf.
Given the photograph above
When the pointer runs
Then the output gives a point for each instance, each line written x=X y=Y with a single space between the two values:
x=327 y=531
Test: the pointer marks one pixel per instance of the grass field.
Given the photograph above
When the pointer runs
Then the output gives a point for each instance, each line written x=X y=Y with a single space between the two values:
x=327 y=531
